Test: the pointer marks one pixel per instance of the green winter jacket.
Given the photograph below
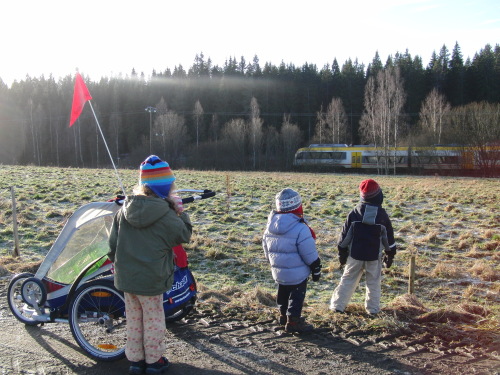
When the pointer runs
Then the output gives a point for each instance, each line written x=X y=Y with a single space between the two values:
x=143 y=233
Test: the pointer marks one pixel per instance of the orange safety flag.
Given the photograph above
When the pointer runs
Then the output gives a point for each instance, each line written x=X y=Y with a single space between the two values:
x=80 y=97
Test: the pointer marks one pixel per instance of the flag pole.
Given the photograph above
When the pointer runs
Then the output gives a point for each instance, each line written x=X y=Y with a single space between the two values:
x=107 y=148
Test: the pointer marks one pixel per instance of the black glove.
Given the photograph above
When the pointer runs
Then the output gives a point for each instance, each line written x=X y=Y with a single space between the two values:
x=388 y=260
x=389 y=256
x=315 y=269
x=343 y=254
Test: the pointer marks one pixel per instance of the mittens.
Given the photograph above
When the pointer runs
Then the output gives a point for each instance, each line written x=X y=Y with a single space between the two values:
x=316 y=269
x=343 y=254
x=389 y=257
x=388 y=260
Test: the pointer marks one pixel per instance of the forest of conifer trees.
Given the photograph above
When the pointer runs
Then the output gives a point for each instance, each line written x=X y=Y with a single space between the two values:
x=244 y=116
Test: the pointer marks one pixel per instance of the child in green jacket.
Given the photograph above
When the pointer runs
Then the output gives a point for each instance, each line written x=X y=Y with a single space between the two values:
x=147 y=227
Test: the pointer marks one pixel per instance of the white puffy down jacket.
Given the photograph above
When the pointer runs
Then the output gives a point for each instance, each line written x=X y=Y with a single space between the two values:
x=289 y=247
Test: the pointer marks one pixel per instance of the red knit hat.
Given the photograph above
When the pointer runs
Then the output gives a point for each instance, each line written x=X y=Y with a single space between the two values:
x=369 y=189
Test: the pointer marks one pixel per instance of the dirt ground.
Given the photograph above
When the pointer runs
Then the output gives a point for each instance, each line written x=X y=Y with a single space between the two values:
x=237 y=344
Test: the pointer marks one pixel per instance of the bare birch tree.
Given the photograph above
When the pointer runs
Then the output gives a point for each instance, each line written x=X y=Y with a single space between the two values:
x=320 y=131
x=290 y=139
x=272 y=150
x=198 y=119
x=434 y=113
x=382 y=118
x=161 y=107
x=234 y=139
x=368 y=123
x=336 y=120
x=255 y=131
x=171 y=129
x=476 y=126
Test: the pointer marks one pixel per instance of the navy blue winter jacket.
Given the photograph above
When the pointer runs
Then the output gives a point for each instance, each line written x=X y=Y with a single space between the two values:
x=367 y=232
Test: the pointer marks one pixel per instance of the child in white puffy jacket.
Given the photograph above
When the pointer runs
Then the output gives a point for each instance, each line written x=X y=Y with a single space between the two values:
x=290 y=247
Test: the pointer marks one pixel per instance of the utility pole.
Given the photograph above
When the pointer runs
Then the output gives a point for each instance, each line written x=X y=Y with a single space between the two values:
x=150 y=110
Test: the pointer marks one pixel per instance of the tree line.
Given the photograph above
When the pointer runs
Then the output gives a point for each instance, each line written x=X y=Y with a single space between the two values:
x=251 y=117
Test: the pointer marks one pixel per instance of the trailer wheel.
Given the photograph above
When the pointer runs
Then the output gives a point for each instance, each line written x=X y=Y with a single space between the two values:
x=97 y=320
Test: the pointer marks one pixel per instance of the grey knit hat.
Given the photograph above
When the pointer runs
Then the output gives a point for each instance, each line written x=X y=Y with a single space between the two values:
x=288 y=200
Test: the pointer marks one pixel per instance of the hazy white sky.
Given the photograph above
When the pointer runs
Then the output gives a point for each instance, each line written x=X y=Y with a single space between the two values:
x=108 y=37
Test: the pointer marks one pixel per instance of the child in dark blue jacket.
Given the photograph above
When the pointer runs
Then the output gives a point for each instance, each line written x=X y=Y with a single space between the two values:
x=366 y=242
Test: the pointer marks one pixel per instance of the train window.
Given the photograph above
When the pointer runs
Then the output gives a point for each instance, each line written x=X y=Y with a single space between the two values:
x=370 y=159
x=305 y=155
x=423 y=159
x=338 y=155
x=449 y=159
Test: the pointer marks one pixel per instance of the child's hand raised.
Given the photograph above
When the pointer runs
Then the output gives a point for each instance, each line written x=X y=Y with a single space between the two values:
x=176 y=203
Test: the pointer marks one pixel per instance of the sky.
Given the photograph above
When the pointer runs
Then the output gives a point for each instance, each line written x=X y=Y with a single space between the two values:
x=109 y=37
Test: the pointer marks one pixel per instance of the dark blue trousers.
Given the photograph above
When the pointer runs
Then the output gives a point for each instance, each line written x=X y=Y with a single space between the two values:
x=290 y=298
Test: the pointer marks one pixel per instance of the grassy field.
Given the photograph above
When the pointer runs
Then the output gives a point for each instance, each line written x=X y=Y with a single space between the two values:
x=451 y=225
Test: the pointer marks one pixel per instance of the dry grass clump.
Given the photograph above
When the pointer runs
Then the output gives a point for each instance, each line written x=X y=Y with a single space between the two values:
x=213 y=296
x=19 y=264
x=474 y=252
x=198 y=241
x=257 y=295
x=446 y=271
x=484 y=271
x=431 y=237
x=446 y=316
x=234 y=301
x=407 y=305
x=474 y=309
x=462 y=245
x=3 y=271
x=215 y=253
x=492 y=246
x=489 y=233
x=355 y=308
x=406 y=228
x=471 y=291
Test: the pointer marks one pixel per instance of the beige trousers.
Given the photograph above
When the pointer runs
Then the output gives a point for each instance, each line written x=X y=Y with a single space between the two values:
x=145 y=328
x=350 y=279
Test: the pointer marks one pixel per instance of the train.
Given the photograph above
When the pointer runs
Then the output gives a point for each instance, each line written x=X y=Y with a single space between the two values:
x=450 y=159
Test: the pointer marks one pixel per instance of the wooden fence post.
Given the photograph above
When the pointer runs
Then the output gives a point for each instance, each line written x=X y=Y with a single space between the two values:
x=411 y=282
x=15 y=252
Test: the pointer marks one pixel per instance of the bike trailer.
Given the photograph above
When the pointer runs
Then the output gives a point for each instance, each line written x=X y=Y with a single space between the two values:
x=74 y=284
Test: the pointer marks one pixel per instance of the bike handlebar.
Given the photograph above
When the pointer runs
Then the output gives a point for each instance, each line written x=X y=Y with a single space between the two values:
x=206 y=194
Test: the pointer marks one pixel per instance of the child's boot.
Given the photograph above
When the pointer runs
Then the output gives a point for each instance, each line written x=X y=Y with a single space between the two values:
x=298 y=325
x=282 y=320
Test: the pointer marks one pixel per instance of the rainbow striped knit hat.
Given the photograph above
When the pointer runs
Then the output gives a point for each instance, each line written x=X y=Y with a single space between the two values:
x=156 y=175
